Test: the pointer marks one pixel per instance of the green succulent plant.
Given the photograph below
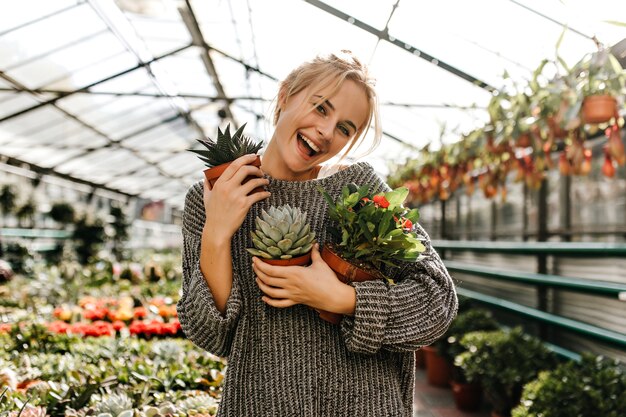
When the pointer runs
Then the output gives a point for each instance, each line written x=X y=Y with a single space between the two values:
x=226 y=148
x=114 y=404
x=281 y=233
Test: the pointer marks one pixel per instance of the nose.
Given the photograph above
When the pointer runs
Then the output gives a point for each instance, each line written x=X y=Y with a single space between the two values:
x=325 y=129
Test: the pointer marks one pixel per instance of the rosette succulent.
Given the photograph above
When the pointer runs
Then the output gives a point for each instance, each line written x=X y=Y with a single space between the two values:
x=198 y=404
x=114 y=405
x=282 y=233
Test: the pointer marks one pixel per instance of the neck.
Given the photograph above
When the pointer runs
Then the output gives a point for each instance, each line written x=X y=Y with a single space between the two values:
x=273 y=165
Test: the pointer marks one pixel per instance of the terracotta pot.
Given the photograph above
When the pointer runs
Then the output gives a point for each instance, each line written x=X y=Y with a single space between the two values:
x=467 y=396
x=346 y=272
x=438 y=370
x=212 y=174
x=420 y=360
x=301 y=260
x=598 y=109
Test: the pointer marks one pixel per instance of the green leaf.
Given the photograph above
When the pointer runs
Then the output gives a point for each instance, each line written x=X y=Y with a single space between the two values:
x=396 y=197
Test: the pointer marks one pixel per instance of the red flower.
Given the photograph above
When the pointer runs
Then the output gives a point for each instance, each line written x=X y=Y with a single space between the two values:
x=408 y=224
x=118 y=325
x=381 y=201
x=5 y=327
x=140 y=312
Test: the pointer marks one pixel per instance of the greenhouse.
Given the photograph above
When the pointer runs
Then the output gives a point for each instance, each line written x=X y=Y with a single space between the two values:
x=312 y=208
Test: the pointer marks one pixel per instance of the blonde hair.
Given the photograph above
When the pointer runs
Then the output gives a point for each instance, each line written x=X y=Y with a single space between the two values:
x=333 y=69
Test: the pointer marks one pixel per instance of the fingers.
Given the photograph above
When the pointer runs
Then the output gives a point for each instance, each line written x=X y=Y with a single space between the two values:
x=278 y=303
x=272 y=270
x=238 y=163
x=268 y=280
x=252 y=184
x=277 y=293
x=315 y=253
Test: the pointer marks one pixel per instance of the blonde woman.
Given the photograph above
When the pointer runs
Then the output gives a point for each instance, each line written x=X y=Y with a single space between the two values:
x=283 y=360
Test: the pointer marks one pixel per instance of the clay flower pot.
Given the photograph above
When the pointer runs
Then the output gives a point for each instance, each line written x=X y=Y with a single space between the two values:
x=467 y=396
x=212 y=174
x=301 y=260
x=346 y=272
x=438 y=370
x=598 y=108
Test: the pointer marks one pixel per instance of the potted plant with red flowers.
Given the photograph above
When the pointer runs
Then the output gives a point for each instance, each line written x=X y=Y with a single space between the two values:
x=219 y=153
x=369 y=232
x=282 y=236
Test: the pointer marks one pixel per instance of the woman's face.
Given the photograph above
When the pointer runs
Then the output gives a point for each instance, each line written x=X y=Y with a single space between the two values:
x=310 y=131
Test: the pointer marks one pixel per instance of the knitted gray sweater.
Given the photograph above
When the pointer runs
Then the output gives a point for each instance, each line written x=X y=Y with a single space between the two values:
x=289 y=362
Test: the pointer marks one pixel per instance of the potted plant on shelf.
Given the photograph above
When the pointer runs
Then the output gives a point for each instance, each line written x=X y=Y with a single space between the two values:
x=282 y=236
x=503 y=361
x=467 y=395
x=595 y=386
x=219 y=153
x=369 y=232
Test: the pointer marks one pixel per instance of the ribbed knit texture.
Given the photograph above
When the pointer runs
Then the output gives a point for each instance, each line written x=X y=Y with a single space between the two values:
x=289 y=362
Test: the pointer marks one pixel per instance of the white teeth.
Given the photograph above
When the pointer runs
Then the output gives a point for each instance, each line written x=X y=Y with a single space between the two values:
x=311 y=144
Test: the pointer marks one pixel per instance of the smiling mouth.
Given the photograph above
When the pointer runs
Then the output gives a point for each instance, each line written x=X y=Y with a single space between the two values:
x=308 y=145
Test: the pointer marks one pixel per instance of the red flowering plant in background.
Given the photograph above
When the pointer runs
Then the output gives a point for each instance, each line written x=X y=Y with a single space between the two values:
x=374 y=229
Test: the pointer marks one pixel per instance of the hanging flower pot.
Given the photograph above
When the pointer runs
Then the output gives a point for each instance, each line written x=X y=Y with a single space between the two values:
x=598 y=108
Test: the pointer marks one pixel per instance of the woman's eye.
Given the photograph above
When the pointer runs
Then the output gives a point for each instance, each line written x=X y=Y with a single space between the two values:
x=320 y=108
x=344 y=130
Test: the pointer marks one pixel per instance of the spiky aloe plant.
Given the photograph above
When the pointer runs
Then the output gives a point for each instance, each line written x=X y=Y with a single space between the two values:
x=281 y=233
x=226 y=148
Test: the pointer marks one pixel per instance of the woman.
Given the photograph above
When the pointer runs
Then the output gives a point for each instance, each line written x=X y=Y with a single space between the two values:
x=283 y=360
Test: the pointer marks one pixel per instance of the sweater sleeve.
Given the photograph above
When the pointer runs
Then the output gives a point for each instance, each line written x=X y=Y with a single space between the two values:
x=200 y=319
x=413 y=313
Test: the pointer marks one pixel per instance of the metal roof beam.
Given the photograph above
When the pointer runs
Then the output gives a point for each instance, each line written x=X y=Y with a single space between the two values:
x=189 y=18
x=384 y=35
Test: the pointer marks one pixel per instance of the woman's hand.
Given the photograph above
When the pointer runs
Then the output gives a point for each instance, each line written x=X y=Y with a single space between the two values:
x=316 y=286
x=227 y=204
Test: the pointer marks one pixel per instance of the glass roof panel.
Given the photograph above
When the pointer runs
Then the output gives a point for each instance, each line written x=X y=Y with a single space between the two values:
x=187 y=73
x=26 y=123
x=27 y=42
x=11 y=103
x=92 y=74
x=67 y=61
x=281 y=47
x=173 y=142
x=490 y=42
x=26 y=11
x=160 y=35
x=101 y=164
x=375 y=13
x=413 y=80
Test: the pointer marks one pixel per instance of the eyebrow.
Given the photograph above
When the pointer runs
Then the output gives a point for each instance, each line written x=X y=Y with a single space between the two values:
x=329 y=104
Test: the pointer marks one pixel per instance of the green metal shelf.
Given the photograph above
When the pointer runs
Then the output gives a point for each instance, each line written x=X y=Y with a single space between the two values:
x=611 y=289
x=588 y=249
x=585 y=329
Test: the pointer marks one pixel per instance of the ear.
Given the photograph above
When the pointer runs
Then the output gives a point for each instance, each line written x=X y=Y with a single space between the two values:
x=282 y=98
